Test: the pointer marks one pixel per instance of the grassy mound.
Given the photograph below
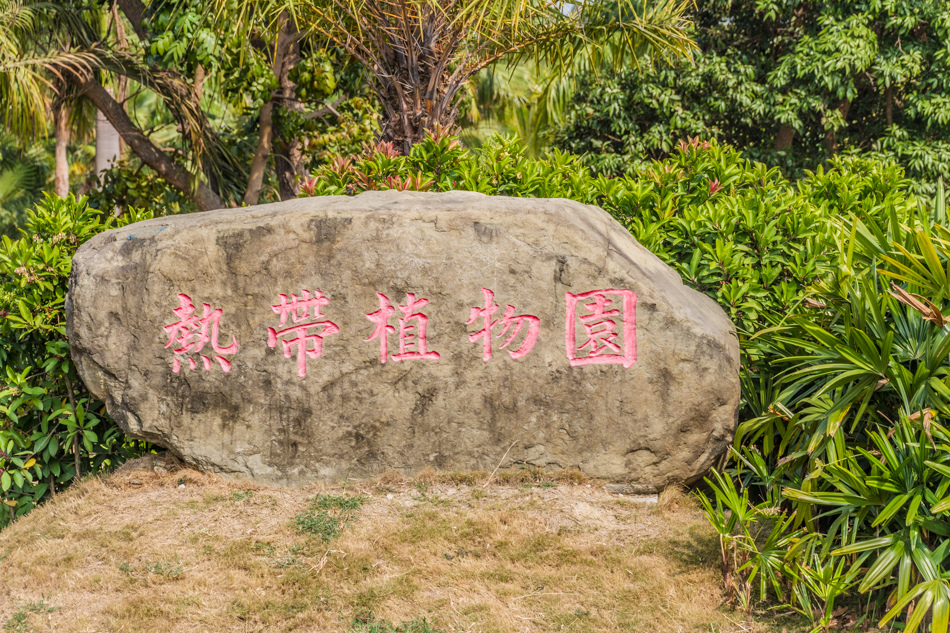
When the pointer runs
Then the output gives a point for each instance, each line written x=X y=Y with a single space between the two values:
x=164 y=550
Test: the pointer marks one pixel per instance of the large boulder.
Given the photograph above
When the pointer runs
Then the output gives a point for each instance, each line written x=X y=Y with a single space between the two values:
x=330 y=337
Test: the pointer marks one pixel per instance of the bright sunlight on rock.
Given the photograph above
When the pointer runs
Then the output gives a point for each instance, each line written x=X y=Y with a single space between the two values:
x=331 y=336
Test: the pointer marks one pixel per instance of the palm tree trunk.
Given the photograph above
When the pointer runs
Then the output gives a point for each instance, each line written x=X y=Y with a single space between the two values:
x=107 y=142
x=61 y=132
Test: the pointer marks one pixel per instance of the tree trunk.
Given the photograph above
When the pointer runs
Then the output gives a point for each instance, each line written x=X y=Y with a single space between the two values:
x=199 y=81
x=121 y=81
x=785 y=136
x=61 y=132
x=831 y=137
x=288 y=161
x=107 y=141
x=176 y=175
x=134 y=10
x=286 y=36
x=289 y=166
x=256 y=178
x=889 y=105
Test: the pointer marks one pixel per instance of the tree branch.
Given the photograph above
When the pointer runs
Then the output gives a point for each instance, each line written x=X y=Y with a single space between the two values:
x=134 y=10
x=172 y=172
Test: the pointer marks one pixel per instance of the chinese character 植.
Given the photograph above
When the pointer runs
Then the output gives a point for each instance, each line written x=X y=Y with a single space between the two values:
x=190 y=333
x=609 y=322
x=508 y=322
x=299 y=336
x=412 y=329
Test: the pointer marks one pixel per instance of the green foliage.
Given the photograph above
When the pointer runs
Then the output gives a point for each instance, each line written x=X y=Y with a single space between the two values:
x=850 y=456
x=790 y=84
x=367 y=623
x=327 y=515
x=52 y=429
x=22 y=175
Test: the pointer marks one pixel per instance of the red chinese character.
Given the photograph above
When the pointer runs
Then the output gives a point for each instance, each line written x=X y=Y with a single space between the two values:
x=383 y=329
x=191 y=333
x=299 y=310
x=603 y=344
x=412 y=336
x=508 y=321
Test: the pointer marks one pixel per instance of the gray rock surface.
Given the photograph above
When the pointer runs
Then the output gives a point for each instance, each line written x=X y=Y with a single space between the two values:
x=220 y=385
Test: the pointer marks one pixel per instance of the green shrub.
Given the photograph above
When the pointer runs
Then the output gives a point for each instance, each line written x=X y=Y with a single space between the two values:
x=52 y=430
x=850 y=461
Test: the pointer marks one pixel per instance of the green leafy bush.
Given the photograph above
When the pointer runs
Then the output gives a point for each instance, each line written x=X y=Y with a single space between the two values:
x=850 y=461
x=52 y=430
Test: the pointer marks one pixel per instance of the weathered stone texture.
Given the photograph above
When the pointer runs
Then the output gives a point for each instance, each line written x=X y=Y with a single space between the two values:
x=664 y=419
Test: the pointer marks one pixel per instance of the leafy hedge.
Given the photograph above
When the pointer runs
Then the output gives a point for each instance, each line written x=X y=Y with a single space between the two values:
x=52 y=430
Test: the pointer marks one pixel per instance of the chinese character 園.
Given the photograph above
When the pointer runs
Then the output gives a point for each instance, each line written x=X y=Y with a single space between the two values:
x=603 y=315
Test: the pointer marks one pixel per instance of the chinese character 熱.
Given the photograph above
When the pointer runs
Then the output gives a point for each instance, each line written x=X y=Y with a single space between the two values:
x=190 y=333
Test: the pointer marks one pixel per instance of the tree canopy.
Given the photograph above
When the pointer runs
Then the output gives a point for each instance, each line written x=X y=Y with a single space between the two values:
x=790 y=84
x=420 y=54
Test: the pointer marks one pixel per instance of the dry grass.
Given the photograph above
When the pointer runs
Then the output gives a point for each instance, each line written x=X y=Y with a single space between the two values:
x=183 y=551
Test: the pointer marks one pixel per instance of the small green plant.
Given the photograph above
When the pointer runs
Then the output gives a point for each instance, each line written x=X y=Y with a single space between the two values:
x=367 y=623
x=165 y=569
x=327 y=515
x=19 y=621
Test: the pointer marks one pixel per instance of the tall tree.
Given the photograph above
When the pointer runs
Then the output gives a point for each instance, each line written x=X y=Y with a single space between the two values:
x=790 y=83
x=420 y=54
x=212 y=90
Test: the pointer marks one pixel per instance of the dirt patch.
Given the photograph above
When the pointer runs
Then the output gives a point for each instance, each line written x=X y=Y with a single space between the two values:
x=176 y=550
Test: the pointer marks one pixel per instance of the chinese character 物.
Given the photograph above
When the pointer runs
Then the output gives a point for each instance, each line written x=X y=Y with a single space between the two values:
x=508 y=322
